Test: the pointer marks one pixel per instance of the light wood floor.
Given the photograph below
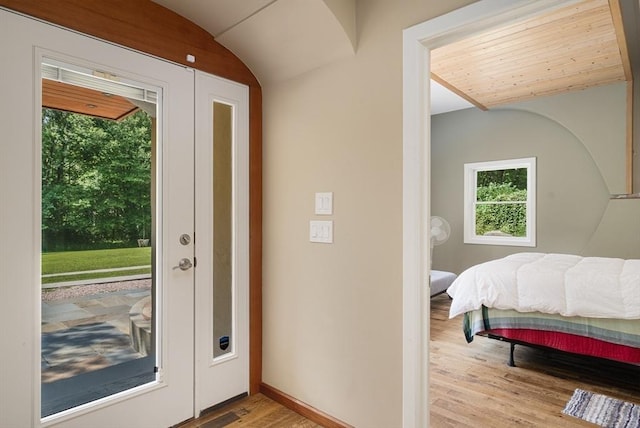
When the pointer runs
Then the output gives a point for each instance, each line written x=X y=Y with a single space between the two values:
x=472 y=386
x=256 y=411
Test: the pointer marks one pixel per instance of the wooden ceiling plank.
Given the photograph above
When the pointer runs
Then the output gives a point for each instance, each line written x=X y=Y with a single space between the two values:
x=538 y=39
x=507 y=100
x=532 y=43
x=527 y=67
x=616 y=15
x=581 y=58
x=569 y=49
x=71 y=98
x=605 y=73
x=557 y=85
x=572 y=14
x=81 y=93
x=516 y=70
x=104 y=103
x=568 y=46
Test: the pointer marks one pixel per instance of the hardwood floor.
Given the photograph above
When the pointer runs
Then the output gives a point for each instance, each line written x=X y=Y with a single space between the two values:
x=256 y=411
x=472 y=386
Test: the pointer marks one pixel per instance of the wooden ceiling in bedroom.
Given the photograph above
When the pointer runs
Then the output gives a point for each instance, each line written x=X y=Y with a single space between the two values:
x=574 y=47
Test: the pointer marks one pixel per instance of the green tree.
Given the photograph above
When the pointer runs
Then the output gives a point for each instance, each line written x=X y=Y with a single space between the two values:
x=124 y=173
x=497 y=214
x=517 y=177
x=95 y=180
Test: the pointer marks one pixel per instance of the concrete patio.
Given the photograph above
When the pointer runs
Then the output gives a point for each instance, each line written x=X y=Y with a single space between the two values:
x=87 y=333
x=84 y=334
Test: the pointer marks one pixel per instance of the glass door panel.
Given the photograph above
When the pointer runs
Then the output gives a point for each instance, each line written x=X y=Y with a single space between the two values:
x=222 y=237
x=98 y=224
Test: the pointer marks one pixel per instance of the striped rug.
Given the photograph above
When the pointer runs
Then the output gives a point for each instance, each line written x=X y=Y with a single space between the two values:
x=602 y=410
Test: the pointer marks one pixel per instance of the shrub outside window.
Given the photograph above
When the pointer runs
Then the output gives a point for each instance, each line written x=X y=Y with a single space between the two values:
x=499 y=204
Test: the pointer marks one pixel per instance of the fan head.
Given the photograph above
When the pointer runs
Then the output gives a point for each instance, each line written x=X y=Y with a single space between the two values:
x=440 y=230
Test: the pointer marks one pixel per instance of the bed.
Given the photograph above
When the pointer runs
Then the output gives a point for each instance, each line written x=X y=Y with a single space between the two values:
x=583 y=305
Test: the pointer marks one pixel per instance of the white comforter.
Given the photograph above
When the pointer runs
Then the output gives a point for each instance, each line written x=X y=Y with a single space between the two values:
x=562 y=284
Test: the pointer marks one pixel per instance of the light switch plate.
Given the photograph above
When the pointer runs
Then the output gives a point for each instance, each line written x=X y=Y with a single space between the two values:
x=321 y=231
x=324 y=203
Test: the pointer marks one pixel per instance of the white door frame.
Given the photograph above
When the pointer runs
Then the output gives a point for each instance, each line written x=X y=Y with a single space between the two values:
x=418 y=40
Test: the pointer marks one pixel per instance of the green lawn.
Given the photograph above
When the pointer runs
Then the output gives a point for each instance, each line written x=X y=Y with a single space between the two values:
x=77 y=261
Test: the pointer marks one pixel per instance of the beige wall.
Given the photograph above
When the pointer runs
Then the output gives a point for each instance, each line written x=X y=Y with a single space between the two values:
x=333 y=312
x=579 y=141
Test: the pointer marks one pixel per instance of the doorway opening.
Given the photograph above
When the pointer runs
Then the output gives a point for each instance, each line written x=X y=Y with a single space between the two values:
x=418 y=41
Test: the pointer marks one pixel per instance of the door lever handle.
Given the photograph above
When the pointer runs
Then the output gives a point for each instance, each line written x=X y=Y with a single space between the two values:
x=183 y=264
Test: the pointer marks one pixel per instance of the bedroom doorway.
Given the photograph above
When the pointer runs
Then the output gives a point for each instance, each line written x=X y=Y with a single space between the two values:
x=417 y=42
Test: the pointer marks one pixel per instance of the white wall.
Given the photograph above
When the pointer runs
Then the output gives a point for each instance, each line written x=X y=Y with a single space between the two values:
x=579 y=141
x=333 y=312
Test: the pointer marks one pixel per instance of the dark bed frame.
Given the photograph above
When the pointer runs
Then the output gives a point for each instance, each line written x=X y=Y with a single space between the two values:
x=514 y=342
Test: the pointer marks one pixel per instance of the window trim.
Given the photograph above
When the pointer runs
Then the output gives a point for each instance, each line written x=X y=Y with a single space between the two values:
x=470 y=196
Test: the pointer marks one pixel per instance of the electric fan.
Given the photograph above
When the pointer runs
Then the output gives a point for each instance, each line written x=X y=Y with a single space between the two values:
x=439 y=234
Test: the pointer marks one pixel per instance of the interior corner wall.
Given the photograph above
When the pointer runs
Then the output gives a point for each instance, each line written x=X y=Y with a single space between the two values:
x=332 y=313
x=579 y=142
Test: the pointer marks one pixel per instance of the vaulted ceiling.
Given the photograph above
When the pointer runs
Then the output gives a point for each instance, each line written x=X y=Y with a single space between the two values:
x=573 y=47
x=276 y=39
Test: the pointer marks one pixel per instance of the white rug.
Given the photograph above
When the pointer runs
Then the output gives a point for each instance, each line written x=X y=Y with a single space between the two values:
x=602 y=410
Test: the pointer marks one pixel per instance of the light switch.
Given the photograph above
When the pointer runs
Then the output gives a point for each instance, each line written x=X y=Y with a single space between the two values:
x=324 y=203
x=321 y=231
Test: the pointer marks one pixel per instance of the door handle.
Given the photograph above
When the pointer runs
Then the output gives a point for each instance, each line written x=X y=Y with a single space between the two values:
x=184 y=264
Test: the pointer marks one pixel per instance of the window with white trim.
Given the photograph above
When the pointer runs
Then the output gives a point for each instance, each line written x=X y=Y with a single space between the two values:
x=499 y=202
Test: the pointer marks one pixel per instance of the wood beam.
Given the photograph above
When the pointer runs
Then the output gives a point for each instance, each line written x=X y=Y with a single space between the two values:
x=616 y=16
x=458 y=92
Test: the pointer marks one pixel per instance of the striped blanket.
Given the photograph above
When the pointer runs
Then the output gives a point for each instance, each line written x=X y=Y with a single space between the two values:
x=603 y=337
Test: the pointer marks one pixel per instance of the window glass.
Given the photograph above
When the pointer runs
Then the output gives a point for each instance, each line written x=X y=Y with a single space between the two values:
x=500 y=202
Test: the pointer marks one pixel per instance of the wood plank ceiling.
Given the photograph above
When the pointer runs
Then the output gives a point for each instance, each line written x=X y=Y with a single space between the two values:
x=571 y=48
x=76 y=99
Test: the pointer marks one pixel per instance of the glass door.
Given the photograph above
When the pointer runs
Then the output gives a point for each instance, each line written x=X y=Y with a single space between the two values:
x=98 y=285
x=106 y=321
